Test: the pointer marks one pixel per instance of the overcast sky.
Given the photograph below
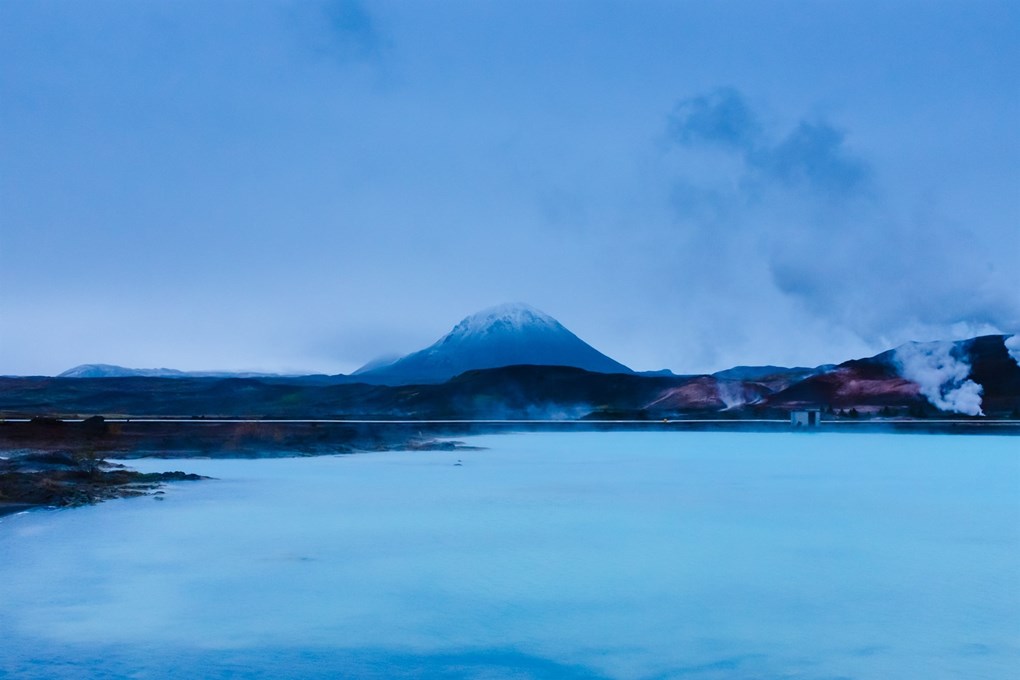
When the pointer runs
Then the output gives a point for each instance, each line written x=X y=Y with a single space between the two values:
x=687 y=185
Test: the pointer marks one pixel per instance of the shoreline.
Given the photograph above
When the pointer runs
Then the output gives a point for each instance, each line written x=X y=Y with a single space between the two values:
x=245 y=437
x=64 y=463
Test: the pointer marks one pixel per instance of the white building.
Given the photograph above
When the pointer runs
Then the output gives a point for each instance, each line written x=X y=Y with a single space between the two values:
x=809 y=417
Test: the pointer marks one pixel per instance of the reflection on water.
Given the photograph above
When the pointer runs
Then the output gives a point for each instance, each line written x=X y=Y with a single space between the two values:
x=629 y=555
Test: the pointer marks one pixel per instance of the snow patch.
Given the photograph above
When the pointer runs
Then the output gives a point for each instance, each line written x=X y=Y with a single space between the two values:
x=942 y=377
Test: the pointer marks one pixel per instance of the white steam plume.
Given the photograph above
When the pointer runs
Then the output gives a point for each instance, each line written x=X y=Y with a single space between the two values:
x=943 y=378
x=731 y=394
x=1013 y=347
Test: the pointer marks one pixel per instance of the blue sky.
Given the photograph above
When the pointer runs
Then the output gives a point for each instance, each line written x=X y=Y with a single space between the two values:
x=304 y=186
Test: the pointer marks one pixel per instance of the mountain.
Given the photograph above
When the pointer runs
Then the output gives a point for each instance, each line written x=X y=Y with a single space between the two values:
x=507 y=335
x=706 y=393
x=765 y=372
x=928 y=379
x=749 y=384
x=111 y=371
x=515 y=361
x=867 y=384
x=996 y=367
x=971 y=377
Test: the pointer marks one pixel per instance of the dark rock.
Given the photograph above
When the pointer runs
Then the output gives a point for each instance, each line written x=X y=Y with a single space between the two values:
x=95 y=426
x=61 y=479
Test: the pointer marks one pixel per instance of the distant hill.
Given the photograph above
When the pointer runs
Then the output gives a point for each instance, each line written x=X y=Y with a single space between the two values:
x=507 y=335
x=111 y=371
x=762 y=372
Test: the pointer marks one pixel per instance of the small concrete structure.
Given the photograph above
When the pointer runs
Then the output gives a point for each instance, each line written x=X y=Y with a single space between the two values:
x=808 y=417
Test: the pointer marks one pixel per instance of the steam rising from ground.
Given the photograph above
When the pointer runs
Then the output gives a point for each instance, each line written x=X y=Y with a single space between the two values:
x=1013 y=347
x=731 y=394
x=942 y=377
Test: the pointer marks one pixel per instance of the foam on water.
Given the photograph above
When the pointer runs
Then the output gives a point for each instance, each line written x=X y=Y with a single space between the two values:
x=704 y=555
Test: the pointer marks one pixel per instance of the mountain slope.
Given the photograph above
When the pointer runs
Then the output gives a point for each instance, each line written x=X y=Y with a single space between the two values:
x=507 y=335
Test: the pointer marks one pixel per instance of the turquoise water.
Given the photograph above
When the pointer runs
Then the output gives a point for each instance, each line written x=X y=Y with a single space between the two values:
x=597 y=555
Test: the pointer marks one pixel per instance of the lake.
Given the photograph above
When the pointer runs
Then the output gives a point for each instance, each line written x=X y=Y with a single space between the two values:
x=544 y=555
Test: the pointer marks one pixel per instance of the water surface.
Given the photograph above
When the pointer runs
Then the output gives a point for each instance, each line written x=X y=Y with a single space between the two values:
x=575 y=555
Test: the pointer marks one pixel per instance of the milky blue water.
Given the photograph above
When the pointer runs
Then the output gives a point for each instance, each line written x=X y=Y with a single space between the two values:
x=601 y=555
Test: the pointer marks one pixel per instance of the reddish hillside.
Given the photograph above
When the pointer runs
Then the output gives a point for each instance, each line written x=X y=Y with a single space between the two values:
x=708 y=394
x=861 y=384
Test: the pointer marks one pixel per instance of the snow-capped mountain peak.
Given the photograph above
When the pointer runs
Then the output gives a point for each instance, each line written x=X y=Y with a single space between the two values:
x=505 y=335
x=514 y=317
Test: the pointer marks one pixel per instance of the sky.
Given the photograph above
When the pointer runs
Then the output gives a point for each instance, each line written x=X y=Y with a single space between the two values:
x=304 y=186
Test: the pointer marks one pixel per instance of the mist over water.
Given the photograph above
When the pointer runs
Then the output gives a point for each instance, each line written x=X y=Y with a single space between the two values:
x=623 y=555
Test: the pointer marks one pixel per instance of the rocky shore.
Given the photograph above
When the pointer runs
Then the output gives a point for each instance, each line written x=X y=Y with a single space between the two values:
x=48 y=462
x=63 y=479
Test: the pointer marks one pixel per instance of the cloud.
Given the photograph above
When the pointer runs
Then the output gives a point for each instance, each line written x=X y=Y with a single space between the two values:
x=813 y=154
x=722 y=117
x=344 y=31
x=353 y=27
x=942 y=376
x=796 y=210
